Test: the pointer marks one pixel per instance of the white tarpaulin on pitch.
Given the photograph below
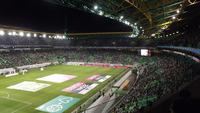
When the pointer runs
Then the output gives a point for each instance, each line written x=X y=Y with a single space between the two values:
x=29 y=86
x=57 y=78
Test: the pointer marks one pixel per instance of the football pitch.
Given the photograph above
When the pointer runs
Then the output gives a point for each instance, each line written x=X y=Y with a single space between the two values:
x=57 y=89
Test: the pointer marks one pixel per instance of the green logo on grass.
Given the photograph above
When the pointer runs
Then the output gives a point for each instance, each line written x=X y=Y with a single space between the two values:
x=58 y=104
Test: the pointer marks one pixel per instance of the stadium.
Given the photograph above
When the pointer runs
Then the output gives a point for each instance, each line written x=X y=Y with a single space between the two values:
x=99 y=56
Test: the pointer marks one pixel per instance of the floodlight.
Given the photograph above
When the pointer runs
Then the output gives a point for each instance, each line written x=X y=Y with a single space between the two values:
x=178 y=11
x=100 y=12
x=126 y=22
x=35 y=35
x=28 y=35
x=95 y=7
x=14 y=33
x=153 y=35
x=10 y=33
x=44 y=35
x=2 y=33
x=21 y=33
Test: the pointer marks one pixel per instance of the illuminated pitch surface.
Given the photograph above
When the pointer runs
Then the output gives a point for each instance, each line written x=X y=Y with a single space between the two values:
x=29 y=86
x=18 y=101
x=57 y=78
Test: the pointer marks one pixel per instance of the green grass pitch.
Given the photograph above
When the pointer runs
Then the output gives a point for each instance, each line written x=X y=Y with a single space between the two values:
x=16 y=101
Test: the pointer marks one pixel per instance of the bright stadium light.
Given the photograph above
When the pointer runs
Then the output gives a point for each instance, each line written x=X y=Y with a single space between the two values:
x=131 y=25
x=2 y=33
x=95 y=7
x=121 y=17
x=153 y=35
x=177 y=11
x=14 y=33
x=28 y=35
x=35 y=35
x=44 y=35
x=56 y=37
x=135 y=23
x=100 y=12
x=10 y=33
x=21 y=34
x=173 y=17
x=59 y=37
x=127 y=22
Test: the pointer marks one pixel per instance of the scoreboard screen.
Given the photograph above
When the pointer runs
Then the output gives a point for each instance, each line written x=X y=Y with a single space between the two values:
x=145 y=52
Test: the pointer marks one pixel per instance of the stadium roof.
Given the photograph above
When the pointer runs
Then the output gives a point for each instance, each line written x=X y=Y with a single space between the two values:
x=147 y=15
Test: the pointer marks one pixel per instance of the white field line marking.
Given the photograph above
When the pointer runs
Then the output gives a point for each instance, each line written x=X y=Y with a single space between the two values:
x=16 y=100
x=6 y=93
x=21 y=108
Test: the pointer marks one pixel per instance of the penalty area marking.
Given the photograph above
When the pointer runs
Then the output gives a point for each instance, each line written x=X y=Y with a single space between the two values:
x=16 y=100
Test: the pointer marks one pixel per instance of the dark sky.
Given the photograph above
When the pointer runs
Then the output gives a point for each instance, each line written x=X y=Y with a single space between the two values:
x=42 y=16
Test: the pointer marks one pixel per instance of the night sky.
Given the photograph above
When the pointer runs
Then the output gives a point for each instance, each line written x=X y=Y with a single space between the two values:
x=42 y=16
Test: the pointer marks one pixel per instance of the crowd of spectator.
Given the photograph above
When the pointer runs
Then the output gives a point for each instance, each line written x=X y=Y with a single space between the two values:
x=158 y=78
x=21 y=58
